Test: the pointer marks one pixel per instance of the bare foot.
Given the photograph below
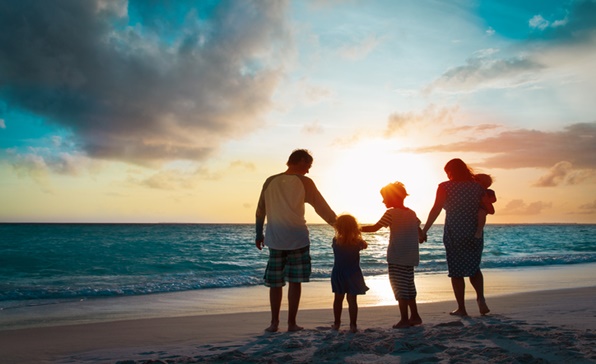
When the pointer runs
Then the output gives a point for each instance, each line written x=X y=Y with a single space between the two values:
x=273 y=327
x=335 y=326
x=461 y=313
x=415 y=321
x=293 y=328
x=353 y=328
x=483 y=307
x=402 y=324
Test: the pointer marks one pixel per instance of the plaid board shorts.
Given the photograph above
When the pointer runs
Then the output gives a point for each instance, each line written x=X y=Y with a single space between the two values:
x=293 y=265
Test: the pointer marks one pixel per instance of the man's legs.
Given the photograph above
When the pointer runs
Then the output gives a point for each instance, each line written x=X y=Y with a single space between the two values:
x=294 y=293
x=275 y=295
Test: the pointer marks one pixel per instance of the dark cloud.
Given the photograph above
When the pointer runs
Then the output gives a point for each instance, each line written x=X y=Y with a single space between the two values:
x=576 y=145
x=144 y=84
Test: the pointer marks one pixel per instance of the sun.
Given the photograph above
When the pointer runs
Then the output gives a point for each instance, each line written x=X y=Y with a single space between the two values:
x=354 y=179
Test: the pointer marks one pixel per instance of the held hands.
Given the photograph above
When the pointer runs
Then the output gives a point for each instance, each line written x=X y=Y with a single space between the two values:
x=422 y=237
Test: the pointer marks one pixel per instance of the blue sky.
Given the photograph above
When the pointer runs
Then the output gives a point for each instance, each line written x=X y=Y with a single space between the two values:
x=177 y=111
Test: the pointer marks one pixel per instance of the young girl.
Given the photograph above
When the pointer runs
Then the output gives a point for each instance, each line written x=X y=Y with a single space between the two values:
x=488 y=199
x=402 y=251
x=346 y=276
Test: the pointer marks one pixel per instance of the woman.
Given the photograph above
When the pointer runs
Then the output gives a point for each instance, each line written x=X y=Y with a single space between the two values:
x=461 y=197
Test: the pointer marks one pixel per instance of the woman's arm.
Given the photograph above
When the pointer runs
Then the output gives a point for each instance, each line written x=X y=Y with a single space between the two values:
x=436 y=209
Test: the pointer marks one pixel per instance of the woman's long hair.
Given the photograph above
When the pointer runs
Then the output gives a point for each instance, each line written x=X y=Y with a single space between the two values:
x=457 y=170
x=347 y=230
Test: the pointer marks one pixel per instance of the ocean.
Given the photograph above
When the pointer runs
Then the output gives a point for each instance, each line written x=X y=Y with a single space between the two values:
x=51 y=263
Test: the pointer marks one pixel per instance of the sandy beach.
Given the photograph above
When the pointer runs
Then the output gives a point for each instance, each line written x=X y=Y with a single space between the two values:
x=537 y=326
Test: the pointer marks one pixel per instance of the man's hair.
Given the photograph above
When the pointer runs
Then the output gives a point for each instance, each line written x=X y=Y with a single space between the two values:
x=299 y=155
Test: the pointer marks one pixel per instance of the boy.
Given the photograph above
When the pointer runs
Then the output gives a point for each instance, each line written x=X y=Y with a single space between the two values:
x=402 y=251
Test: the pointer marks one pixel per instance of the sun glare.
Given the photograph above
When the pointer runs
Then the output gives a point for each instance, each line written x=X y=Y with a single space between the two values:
x=356 y=178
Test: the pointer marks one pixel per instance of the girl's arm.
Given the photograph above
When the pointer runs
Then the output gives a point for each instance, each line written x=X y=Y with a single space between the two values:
x=487 y=205
x=436 y=209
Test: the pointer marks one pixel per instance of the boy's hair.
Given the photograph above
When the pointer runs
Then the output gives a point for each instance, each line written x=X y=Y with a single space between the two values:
x=347 y=230
x=394 y=191
x=299 y=155
x=485 y=180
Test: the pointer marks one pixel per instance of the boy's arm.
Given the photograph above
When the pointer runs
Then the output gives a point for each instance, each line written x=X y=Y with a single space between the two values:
x=371 y=228
x=421 y=236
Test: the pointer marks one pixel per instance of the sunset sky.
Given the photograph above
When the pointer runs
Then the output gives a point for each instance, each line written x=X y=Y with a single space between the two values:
x=177 y=111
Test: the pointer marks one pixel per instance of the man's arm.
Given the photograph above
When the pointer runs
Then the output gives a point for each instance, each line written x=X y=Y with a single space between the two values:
x=260 y=220
x=316 y=200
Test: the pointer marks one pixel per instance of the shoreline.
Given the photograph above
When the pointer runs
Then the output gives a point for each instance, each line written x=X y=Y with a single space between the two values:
x=432 y=287
x=553 y=325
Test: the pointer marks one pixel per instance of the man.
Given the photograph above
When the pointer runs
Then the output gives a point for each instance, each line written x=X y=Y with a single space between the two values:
x=282 y=200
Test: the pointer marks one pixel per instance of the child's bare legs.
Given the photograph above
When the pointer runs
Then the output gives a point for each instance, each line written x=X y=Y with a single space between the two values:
x=481 y=223
x=353 y=310
x=404 y=322
x=415 y=318
x=338 y=302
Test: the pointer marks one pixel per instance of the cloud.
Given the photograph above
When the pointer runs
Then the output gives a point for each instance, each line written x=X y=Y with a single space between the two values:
x=481 y=72
x=522 y=148
x=519 y=207
x=563 y=173
x=361 y=49
x=559 y=43
x=577 y=26
x=141 y=83
x=184 y=179
x=588 y=208
x=539 y=22
x=432 y=115
x=312 y=128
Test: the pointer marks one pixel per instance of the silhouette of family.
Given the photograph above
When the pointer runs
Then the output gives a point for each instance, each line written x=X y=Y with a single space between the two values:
x=465 y=197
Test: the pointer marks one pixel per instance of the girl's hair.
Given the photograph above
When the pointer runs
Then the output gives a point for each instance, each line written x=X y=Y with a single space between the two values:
x=485 y=180
x=457 y=170
x=347 y=230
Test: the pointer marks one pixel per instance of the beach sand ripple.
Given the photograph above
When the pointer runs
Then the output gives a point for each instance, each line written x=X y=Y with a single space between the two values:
x=490 y=339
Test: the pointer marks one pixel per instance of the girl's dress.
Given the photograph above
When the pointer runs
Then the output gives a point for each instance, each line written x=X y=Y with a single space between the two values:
x=463 y=250
x=346 y=276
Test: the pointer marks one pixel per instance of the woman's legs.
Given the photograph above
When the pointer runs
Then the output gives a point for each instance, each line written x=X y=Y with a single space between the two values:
x=477 y=281
x=459 y=289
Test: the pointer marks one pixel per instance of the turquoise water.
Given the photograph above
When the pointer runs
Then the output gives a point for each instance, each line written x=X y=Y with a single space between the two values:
x=84 y=261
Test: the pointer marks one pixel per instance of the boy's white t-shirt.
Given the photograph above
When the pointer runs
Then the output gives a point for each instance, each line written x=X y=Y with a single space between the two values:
x=403 y=237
